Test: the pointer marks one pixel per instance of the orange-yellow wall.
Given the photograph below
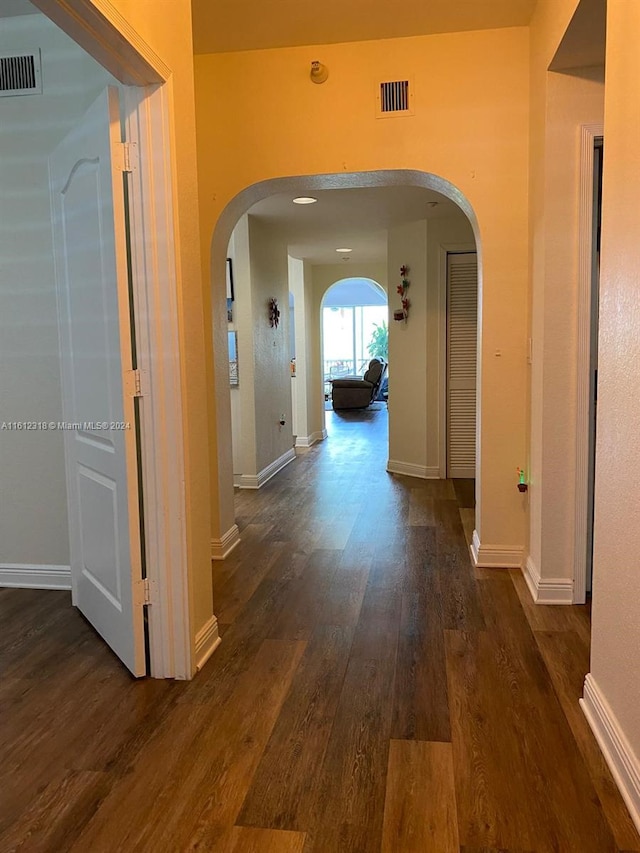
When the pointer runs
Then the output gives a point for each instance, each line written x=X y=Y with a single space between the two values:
x=260 y=117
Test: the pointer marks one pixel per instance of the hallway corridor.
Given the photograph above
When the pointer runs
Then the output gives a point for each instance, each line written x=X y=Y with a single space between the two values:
x=371 y=693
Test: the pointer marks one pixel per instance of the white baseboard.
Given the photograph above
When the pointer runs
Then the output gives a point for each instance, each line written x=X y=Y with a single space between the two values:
x=27 y=576
x=495 y=556
x=422 y=472
x=310 y=440
x=221 y=548
x=207 y=641
x=256 y=481
x=547 y=590
x=622 y=760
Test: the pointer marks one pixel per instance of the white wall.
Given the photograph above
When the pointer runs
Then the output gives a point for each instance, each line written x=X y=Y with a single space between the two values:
x=416 y=349
x=407 y=245
x=299 y=397
x=571 y=102
x=33 y=513
x=261 y=271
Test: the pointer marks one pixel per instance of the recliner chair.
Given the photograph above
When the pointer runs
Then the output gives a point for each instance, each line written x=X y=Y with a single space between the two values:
x=358 y=392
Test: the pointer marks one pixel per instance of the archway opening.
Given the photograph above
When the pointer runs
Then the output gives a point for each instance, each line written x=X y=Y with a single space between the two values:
x=354 y=329
x=404 y=241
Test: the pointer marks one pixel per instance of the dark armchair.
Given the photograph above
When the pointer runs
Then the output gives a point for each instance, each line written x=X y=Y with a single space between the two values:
x=357 y=392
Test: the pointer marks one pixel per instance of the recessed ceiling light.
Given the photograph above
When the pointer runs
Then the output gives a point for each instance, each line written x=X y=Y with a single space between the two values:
x=344 y=251
x=305 y=199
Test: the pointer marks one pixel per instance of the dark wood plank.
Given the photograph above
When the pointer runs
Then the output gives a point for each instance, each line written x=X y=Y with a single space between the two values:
x=420 y=804
x=283 y=790
x=188 y=786
x=310 y=741
x=305 y=600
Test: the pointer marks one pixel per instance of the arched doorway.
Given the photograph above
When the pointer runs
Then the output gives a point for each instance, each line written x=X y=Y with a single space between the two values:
x=224 y=530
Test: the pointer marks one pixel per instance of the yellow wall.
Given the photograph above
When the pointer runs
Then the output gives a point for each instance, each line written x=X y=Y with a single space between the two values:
x=259 y=117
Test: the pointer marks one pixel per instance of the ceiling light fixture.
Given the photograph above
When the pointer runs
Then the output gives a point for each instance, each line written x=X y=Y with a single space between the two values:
x=305 y=199
x=344 y=251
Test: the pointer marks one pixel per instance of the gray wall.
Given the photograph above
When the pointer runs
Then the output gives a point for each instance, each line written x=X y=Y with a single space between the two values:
x=33 y=511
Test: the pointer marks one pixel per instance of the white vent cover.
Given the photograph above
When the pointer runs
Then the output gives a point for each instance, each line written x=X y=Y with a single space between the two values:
x=20 y=74
x=395 y=98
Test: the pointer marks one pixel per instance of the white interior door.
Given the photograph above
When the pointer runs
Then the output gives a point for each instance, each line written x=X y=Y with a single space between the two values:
x=89 y=225
x=462 y=322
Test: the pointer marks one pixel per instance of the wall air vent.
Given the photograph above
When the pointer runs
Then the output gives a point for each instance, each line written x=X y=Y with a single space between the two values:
x=395 y=98
x=20 y=74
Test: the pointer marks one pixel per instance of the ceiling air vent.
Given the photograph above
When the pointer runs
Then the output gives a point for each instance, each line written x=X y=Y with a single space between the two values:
x=20 y=74
x=395 y=98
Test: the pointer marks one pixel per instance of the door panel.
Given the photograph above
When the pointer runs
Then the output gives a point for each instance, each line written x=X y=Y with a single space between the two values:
x=96 y=354
x=462 y=310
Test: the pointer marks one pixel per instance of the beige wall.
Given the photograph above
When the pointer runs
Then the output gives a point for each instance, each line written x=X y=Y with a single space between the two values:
x=272 y=383
x=407 y=244
x=616 y=582
x=33 y=512
x=243 y=416
x=467 y=85
x=261 y=271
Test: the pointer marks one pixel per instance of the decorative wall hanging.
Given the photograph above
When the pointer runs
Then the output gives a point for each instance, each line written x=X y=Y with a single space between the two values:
x=230 y=293
x=233 y=358
x=403 y=287
x=274 y=313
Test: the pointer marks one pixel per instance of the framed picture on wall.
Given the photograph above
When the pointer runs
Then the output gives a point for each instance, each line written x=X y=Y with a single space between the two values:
x=230 y=294
x=233 y=358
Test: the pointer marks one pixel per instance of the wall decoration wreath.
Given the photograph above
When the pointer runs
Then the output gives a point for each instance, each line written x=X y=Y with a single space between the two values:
x=274 y=313
x=403 y=287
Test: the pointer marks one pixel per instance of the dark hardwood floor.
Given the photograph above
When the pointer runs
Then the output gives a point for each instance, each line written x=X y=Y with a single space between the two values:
x=371 y=693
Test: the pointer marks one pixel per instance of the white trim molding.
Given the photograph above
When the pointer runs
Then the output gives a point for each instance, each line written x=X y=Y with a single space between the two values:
x=98 y=27
x=207 y=641
x=422 y=472
x=155 y=294
x=547 y=590
x=617 y=751
x=221 y=548
x=589 y=134
x=495 y=556
x=256 y=481
x=28 y=576
x=310 y=440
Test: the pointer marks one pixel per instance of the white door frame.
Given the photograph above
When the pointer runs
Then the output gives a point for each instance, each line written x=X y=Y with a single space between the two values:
x=588 y=135
x=105 y=35
x=446 y=249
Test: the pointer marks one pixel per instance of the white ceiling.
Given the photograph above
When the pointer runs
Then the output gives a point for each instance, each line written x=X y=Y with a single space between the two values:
x=353 y=218
x=230 y=25
x=13 y=8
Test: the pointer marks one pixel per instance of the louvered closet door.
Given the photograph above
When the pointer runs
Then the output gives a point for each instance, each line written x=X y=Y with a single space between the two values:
x=462 y=314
